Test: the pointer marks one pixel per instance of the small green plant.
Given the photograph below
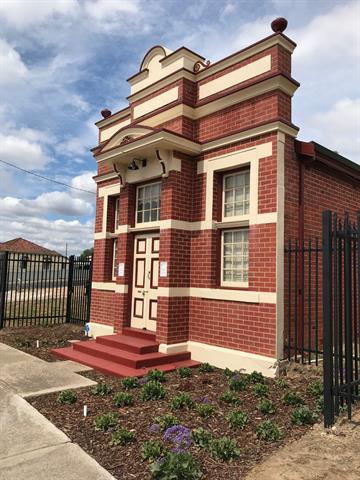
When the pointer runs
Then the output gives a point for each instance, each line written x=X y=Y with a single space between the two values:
x=229 y=373
x=101 y=389
x=166 y=421
x=184 y=372
x=205 y=410
x=206 y=368
x=129 y=383
x=201 y=437
x=152 y=390
x=238 y=382
x=156 y=376
x=237 y=418
x=281 y=383
x=320 y=404
x=105 y=421
x=123 y=399
x=67 y=397
x=122 y=436
x=266 y=406
x=224 y=448
x=176 y=466
x=268 y=431
x=152 y=450
x=230 y=397
x=316 y=388
x=256 y=377
x=181 y=401
x=260 y=390
x=304 y=416
x=292 y=398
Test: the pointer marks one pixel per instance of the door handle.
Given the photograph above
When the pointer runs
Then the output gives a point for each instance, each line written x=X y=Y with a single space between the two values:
x=145 y=291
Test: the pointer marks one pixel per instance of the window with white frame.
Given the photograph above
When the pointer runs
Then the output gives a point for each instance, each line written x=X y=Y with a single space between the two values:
x=235 y=257
x=236 y=194
x=114 y=263
x=117 y=211
x=148 y=203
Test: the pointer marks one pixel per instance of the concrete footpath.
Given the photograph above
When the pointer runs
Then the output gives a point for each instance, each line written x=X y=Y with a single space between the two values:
x=31 y=447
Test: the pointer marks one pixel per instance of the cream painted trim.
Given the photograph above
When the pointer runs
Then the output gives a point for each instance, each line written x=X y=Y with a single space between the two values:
x=106 y=176
x=156 y=102
x=105 y=235
x=235 y=77
x=246 y=296
x=98 y=329
x=114 y=118
x=106 y=133
x=109 y=190
x=175 y=348
x=110 y=286
x=280 y=241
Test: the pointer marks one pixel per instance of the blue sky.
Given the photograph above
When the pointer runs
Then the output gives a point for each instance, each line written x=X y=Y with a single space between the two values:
x=62 y=61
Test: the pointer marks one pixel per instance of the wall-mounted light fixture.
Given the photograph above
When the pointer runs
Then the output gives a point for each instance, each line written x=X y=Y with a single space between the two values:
x=133 y=166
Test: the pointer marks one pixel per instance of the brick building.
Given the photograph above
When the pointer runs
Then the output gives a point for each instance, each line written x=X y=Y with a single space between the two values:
x=201 y=181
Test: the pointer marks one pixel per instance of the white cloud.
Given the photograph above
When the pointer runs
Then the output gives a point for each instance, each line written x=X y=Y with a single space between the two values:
x=13 y=69
x=23 y=152
x=85 y=182
x=107 y=10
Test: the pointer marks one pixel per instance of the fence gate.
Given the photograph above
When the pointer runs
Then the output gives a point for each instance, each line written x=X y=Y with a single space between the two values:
x=42 y=289
x=341 y=314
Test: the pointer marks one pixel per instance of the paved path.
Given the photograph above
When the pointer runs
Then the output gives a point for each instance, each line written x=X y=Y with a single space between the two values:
x=31 y=447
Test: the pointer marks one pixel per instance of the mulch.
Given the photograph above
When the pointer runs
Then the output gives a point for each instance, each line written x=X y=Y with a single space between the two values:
x=125 y=462
x=49 y=336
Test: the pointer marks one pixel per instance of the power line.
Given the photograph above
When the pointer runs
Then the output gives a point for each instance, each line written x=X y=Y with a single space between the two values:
x=46 y=178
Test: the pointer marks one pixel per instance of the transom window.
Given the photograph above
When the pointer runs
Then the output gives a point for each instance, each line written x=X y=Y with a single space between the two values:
x=148 y=203
x=117 y=211
x=236 y=194
x=235 y=257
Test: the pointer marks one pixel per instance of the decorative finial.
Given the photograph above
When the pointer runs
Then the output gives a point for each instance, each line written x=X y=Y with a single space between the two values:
x=279 y=24
x=105 y=113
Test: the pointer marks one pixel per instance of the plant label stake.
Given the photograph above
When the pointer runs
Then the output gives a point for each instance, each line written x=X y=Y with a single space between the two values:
x=85 y=410
x=37 y=344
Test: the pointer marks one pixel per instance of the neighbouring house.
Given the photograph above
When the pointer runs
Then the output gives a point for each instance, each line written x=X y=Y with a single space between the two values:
x=21 y=245
x=201 y=182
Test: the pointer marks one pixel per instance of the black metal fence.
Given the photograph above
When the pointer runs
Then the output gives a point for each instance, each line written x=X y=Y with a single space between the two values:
x=41 y=289
x=341 y=314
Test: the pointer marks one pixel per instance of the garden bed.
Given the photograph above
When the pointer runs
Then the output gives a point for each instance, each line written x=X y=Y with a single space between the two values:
x=126 y=462
x=49 y=336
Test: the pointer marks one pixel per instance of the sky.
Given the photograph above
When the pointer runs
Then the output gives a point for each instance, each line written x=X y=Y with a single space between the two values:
x=62 y=61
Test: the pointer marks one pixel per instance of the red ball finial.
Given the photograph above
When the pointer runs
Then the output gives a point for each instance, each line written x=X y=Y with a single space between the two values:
x=279 y=24
x=105 y=113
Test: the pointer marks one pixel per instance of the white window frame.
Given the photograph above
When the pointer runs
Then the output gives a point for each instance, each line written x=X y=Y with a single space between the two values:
x=117 y=212
x=150 y=223
x=226 y=283
x=114 y=259
x=244 y=217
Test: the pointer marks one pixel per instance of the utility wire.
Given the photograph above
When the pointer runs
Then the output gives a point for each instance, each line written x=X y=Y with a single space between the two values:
x=46 y=178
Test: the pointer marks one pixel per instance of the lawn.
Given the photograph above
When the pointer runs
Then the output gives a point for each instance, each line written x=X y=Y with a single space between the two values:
x=200 y=423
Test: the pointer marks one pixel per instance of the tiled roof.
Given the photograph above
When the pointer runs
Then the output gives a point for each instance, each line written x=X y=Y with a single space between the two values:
x=25 y=246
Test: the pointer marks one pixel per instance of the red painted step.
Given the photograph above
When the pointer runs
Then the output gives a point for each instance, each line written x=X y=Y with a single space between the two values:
x=129 y=343
x=138 y=333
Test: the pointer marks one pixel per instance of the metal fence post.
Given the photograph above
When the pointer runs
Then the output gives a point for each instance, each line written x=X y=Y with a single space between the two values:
x=70 y=288
x=327 y=319
x=3 y=285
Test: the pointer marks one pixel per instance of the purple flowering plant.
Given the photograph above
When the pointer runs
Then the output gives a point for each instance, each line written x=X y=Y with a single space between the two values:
x=179 y=436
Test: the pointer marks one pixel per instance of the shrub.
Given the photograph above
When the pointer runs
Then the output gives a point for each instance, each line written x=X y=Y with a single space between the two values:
x=292 y=398
x=184 y=372
x=256 y=377
x=304 y=416
x=156 y=376
x=205 y=410
x=152 y=450
x=166 y=421
x=176 y=466
x=224 y=448
x=206 y=368
x=101 y=389
x=266 y=406
x=152 y=390
x=320 y=404
x=230 y=397
x=316 y=388
x=130 y=382
x=201 y=437
x=67 y=397
x=105 y=421
x=123 y=399
x=281 y=383
x=260 y=390
x=237 y=418
x=180 y=401
x=238 y=382
x=122 y=436
x=268 y=431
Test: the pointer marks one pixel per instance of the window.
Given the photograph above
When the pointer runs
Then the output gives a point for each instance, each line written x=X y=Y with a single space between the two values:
x=148 y=203
x=117 y=206
x=236 y=194
x=235 y=257
x=114 y=264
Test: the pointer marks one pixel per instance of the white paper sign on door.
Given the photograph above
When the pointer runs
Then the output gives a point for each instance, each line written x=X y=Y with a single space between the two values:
x=163 y=269
x=121 y=269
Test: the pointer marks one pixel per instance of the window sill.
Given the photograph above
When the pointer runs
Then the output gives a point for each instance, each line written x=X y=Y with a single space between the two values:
x=233 y=223
x=139 y=227
x=234 y=286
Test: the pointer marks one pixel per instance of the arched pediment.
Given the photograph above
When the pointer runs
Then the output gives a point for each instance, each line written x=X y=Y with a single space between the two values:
x=125 y=135
x=153 y=56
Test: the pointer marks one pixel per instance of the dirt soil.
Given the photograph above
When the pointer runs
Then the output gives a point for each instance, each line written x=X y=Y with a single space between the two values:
x=125 y=462
x=49 y=336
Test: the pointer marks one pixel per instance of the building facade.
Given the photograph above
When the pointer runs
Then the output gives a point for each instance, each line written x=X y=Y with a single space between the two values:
x=201 y=180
